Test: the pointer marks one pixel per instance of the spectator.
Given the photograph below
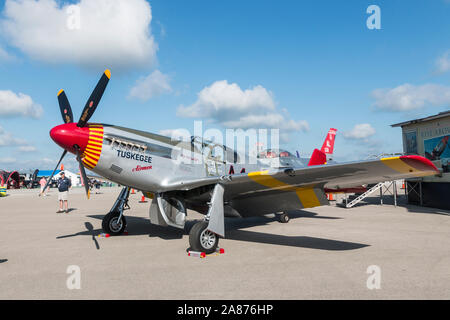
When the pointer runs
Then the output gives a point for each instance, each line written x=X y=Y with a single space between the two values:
x=42 y=182
x=97 y=186
x=64 y=184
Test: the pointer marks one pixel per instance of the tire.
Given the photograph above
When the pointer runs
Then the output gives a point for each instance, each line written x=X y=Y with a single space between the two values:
x=284 y=218
x=201 y=239
x=109 y=224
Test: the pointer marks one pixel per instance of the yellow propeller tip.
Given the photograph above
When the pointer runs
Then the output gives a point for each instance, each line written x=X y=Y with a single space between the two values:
x=60 y=91
x=108 y=73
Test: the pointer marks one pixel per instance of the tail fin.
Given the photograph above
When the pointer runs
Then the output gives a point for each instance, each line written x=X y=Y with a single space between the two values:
x=318 y=157
x=328 y=144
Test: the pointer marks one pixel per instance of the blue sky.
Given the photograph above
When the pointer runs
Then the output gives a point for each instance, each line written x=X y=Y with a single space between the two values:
x=317 y=60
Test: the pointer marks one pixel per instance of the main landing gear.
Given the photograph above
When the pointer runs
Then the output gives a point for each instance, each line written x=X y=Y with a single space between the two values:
x=204 y=235
x=114 y=222
x=201 y=239
x=283 y=217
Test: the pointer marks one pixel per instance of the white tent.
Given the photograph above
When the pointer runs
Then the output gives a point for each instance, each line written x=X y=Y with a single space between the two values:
x=74 y=177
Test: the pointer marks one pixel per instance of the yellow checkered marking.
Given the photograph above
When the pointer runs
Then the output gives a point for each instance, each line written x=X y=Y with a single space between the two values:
x=93 y=149
x=306 y=195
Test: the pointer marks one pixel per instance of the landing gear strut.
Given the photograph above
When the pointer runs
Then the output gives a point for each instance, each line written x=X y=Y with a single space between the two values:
x=114 y=222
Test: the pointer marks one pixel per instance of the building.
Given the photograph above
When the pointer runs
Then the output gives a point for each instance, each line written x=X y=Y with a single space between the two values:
x=430 y=138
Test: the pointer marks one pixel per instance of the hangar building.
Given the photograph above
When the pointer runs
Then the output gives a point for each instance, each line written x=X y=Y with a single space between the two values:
x=430 y=138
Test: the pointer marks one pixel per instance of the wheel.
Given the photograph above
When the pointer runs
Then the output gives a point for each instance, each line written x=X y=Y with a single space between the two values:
x=283 y=218
x=201 y=239
x=112 y=225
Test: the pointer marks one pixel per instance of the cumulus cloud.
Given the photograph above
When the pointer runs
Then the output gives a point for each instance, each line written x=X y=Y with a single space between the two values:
x=360 y=132
x=408 y=97
x=18 y=105
x=221 y=98
x=270 y=120
x=5 y=56
x=155 y=84
x=7 y=139
x=7 y=160
x=232 y=107
x=443 y=63
x=90 y=33
x=27 y=149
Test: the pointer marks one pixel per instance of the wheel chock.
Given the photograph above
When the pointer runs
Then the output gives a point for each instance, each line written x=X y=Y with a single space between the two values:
x=201 y=255
x=104 y=235
x=107 y=235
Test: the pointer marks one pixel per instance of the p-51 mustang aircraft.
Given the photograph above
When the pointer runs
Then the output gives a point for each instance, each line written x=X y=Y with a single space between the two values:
x=214 y=181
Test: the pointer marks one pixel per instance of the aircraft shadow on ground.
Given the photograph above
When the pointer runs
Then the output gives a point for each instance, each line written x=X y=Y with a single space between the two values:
x=233 y=232
x=420 y=209
x=3 y=260
x=138 y=226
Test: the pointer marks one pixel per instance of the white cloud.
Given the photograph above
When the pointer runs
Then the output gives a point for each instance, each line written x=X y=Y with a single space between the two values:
x=105 y=33
x=408 y=97
x=360 y=132
x=5 y=56
x=443 y=63
x=155 y=84
x=270 y=120
x=232 y=107
x=7 y=139
x=15 y=105
x=7 y=160
x=27 y=148
x=221 y=98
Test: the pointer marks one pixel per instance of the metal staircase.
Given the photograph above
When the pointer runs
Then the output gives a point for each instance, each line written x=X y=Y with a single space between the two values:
x=387 y=190
x=362 y=196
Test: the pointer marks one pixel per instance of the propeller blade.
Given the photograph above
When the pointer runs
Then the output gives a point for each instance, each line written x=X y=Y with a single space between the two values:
x=94 y=99
x=83 y=174
x=53 y=173
x=64 y=106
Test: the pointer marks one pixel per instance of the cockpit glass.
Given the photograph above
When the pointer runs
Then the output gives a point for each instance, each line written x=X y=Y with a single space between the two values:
x=274 y=153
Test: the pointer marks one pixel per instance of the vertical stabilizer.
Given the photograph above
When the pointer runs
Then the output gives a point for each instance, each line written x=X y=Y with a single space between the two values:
x=328 y=144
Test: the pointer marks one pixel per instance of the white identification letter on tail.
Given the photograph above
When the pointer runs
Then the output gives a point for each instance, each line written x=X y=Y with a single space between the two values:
x=328 y=144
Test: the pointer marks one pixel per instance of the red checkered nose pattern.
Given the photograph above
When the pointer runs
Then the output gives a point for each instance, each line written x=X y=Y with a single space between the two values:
x=69 y=135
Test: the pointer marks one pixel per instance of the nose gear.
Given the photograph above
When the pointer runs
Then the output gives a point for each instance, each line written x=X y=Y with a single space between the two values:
x=114 y=222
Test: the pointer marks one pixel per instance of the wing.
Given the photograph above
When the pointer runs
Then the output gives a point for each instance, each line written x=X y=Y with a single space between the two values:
x=288 y=189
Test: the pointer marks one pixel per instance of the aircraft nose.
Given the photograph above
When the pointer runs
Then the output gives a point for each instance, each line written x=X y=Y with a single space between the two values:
x=68 y=135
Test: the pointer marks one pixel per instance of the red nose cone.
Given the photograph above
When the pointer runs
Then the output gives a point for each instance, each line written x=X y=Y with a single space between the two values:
x=68 y=135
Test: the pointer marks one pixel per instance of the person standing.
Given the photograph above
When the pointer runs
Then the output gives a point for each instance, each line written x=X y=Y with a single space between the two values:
x=64 y=185
x=97 y=186
x=42 y=182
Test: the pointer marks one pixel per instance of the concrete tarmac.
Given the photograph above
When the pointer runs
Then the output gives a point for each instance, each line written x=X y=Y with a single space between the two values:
x=367 y=252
